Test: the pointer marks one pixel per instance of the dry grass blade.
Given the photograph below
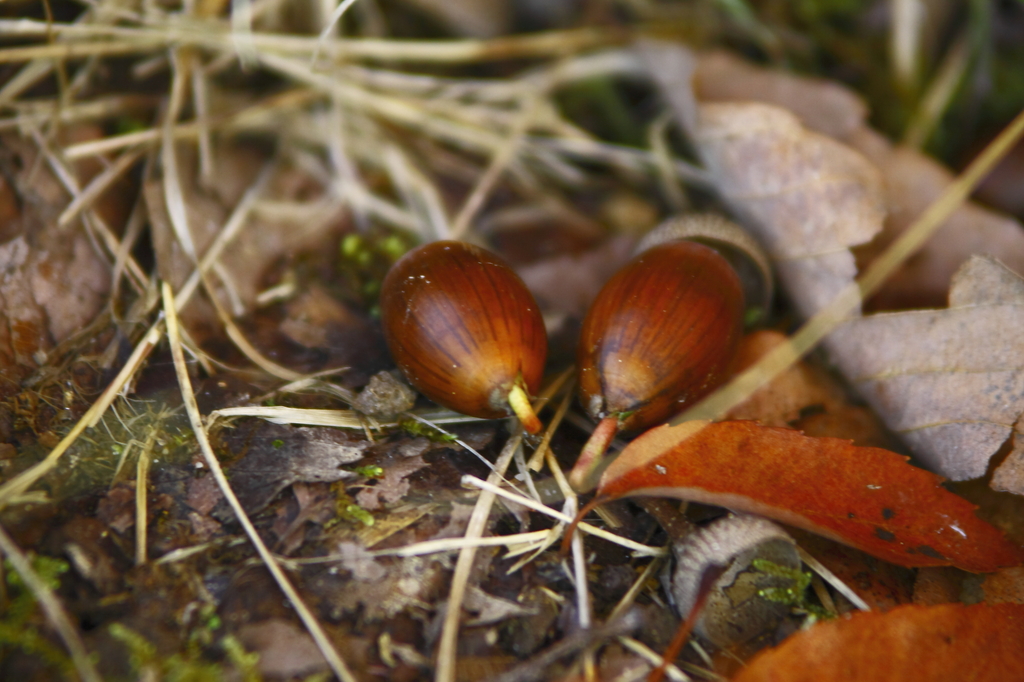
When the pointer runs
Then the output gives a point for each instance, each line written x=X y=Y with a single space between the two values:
x=141 y=496
x=638 y=549
x=99 y=185
x=192 y=408
x=445 y=670
x=833 y=580
x=127 y=40
x=652 y=657
x=51 y=607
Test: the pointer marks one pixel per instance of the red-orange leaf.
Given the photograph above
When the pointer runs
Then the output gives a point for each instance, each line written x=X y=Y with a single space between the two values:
x=868 y=498
x=911 y=643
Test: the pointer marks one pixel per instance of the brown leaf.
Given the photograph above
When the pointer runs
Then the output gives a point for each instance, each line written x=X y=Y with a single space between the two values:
x=285 y=649
x=1009 y=475
x=822 y=105
x=393 y=486
x=268 y=236
x=1005 y=586
x=938 y=585
x=806 y=197
x=910 y=643
x=950 y=381
x=912 y=181
x=780 y=402
x=868 y=498
x=810 y=198
x=53 y=282
x=280 y=456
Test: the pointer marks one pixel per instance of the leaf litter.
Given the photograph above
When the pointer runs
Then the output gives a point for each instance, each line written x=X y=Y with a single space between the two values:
x=232 y=223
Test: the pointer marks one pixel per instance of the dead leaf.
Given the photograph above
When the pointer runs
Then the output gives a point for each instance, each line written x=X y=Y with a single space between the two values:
x=53 y=283
x=568 y=283
x=491 y=609
x=781 y=401
x=393 y=486
x=807 y=197
x=868 y=498
x=938 y=585
x=1009 y=475
x=950 y=381
x=410 y=582
x=267 y=237
x=912 y=182
x=822 y=105
x=312 y=503
x=354 y=557
x=285 y=650
x=910 y=643
x=1005 y=586
x=281 y=456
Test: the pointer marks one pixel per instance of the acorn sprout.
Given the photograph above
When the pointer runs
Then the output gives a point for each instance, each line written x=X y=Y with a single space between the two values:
x=660 y=335
x=465 y=330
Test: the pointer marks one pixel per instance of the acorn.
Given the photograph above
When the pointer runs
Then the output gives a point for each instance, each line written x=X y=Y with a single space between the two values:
x=660 y=335
x=465 y=330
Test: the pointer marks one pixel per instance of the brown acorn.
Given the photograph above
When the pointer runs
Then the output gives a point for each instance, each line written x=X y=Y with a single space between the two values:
x=465 y=330
x=660 y=335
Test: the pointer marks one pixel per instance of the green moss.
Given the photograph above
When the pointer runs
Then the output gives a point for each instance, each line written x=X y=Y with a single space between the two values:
x=192 y=665
x=370 y=471
x=19 y=621
x=417 y=428
x=795 y=594
x=366 y=258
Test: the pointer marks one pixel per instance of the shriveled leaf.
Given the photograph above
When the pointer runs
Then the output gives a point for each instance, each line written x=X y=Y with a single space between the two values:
x=950 y=381
x=53 y=281
x=279 y=456
x=1009 y=475
x=912 y=181
x=938 y=585
x=822 y=105
x=568 y=283
x=810 y=198
x=1006 y=585
x=807 y=197
x=868 y=498
x=294 y=218
x=910 y=643
x=781 y=401
x=285 y=649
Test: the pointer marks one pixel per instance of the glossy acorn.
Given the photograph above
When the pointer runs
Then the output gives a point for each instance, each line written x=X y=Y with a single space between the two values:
x=660 y=335
x=465 y=330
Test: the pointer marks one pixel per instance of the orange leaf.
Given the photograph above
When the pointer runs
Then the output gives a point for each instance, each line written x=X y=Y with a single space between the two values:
x=911 y=643
x=868 y=498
